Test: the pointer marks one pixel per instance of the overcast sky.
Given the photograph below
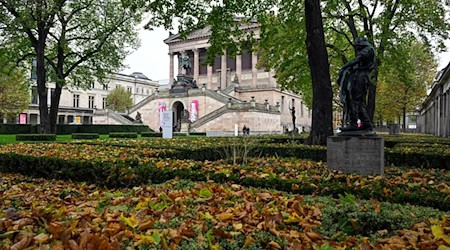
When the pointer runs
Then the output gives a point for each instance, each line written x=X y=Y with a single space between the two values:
x=152 y=57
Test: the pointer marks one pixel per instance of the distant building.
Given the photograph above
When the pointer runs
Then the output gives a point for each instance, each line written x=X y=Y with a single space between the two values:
x=80 y=106
x=435 y=113
x=231 y=92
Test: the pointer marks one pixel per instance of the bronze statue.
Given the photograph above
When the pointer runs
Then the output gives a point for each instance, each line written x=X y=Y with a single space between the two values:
x=293 y=117
x=354 y=82
x=185 y=63
x=138 y=118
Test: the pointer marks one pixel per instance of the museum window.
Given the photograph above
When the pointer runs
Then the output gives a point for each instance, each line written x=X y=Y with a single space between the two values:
x=217 y=63
x=92 y=85
x=203 y=69
x=129 y=89
x=282 y=103
x=105 y=86
x=91 y=102
x=104 y=103
x=76 y=101
x=231 y=63
x=246 y=60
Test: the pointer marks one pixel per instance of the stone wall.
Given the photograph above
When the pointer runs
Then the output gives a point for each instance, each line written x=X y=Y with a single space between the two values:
x=258 y=122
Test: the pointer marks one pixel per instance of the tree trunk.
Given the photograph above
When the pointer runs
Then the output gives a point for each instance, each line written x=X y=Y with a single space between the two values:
x=371 y=98
x=54 y=108
x=41 y=86
x=404 y=120
x=322 y=119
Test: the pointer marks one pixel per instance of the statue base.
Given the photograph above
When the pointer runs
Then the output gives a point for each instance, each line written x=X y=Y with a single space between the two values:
x=356 y=154
x=357 y=133
x=183 y=84
x=184 y=127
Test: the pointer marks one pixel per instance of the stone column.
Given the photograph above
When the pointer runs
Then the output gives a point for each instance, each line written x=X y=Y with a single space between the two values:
x=183 y=70
x=254 y=70
x=196 y=64
x=239 y=68
x=209 y=72
x=223 y=71
x=171 y=70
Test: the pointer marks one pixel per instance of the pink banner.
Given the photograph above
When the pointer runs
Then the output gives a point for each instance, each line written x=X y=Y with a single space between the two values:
x=161 y=108
x=23 y=119
x=193 y=111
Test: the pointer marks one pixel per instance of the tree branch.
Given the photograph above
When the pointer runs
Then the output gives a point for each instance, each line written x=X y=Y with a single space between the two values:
x=350 y=21
x=342 y=33
x=97 y=49
x=339 y=52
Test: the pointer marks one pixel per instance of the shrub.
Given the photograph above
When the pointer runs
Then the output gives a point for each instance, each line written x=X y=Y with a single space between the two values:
x=18 y=129
x=85 y=136
x=198 y=133
x=123 y=135
x=35 y=137
x=151 y=134
x=64 y=129
x=367 y=218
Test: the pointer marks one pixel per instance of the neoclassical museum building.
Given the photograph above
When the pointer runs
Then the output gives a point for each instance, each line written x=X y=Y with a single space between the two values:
x=231 y=93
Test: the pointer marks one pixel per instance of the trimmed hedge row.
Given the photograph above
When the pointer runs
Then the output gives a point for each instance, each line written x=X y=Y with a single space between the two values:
x=151 y=134
x=410 y=159
x=66 y=129
x=35 y=137
x=85 y=136
x=100 y=129
x=130 y=173
x=123 y=135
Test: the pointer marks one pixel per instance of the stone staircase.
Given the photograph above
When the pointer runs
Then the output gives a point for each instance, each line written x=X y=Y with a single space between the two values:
x=232 y=107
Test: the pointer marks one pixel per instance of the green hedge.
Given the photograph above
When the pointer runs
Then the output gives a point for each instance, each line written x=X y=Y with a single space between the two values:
x=151 y=134
x=85 y=136
x=123 y=135
x=35 y=137
x=198 y=133
x=66 y=129
x=63 y=129
x=18 y=129
x=131 y=173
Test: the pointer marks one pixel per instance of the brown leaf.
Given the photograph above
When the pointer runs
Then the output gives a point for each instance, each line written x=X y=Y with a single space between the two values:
x=73 y=245
x=24 y=241
x=146 y=224
x=274 y=245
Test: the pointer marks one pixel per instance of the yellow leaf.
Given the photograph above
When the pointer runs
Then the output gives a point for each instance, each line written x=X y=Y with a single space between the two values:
x=442 y=247
x=437 y=231
x=237 y=226
x=208 y=216
x=142 y=204
x=292 y=218
x=144 y=239
x=132 y=221
x=225 y=216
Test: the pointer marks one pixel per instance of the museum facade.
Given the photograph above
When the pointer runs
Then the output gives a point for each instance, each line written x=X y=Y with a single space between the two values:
x=231 y=93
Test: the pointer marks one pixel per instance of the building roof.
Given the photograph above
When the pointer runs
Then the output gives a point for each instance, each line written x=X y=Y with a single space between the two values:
x=206 y=32
x=140 y=76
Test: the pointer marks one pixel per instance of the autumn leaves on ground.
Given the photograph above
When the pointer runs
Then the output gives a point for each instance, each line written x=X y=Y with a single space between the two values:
x=231 y=212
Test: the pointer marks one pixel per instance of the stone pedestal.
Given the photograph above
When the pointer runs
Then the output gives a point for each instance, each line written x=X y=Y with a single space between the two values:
x=356 y=154
x=184 y=127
